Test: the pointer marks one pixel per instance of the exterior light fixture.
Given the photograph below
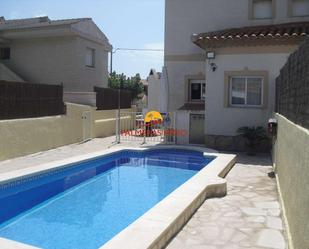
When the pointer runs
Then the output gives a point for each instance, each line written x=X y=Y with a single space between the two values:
x=210 y=55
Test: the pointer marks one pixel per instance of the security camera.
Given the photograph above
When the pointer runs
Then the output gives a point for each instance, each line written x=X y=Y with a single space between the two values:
x=213 y=66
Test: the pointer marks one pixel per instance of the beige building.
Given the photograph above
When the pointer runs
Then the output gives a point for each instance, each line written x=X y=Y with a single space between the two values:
x=222 y=59
x=73 y=52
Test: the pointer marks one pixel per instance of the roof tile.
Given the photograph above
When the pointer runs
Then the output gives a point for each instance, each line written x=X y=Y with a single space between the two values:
x=285 y=30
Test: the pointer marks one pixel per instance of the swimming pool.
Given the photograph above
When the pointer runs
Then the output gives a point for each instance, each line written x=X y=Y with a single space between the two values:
x=86 y=204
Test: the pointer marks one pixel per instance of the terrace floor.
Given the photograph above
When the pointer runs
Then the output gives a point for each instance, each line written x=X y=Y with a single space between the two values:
x=248 y=217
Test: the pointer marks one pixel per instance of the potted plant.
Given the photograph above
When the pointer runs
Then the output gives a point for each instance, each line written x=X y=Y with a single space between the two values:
x=253 y=136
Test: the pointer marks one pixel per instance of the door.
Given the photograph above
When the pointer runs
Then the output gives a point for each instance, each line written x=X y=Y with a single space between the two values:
x=86 y=117
x=196 y=135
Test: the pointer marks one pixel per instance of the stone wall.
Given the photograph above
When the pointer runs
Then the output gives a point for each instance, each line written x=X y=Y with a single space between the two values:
x=292 y=87
x=232 y=143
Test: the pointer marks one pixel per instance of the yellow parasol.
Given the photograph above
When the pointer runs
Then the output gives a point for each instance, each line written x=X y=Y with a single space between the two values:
x=153 y=116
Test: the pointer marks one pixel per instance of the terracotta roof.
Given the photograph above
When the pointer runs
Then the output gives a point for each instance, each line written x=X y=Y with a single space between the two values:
x=200 y=106
x=288 y=32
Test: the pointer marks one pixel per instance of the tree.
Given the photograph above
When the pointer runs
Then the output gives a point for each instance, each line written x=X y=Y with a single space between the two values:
x=121 y=81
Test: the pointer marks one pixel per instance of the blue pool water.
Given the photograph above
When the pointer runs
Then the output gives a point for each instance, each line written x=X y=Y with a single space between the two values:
x=85 y=205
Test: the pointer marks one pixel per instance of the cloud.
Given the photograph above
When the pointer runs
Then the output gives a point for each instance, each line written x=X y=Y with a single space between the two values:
x=14 y=15
x=40 y=15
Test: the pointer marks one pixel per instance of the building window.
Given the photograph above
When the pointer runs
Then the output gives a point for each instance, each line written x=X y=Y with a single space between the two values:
x=300 y=8
x=246 y=91
x=262 y=9
x=5 y=53
x=197 y=90
x=90 y=57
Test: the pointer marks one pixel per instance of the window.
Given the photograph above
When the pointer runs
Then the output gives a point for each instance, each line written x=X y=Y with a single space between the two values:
x=5 y=53
x=262 y=9
x=246 y=91
x=300 y=7
x=90 y=57
x=197 y=89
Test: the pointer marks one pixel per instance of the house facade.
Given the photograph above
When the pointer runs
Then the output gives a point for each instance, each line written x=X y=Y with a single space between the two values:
x=222 y=59
x=71 y=52
x=154 y=88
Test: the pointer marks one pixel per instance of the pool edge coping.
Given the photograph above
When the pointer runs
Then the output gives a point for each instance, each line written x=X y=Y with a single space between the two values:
x=157 y=226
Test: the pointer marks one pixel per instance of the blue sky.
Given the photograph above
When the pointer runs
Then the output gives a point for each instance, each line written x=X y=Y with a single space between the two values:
x=127 y=23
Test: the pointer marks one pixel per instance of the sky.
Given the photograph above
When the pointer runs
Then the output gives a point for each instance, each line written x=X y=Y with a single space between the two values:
x=126 y=23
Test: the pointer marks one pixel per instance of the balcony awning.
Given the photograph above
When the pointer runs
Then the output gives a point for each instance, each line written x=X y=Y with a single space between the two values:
x=276 y=34
x=199 y=106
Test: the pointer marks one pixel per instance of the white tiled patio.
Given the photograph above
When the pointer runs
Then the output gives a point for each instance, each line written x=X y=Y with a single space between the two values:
x=248 y=217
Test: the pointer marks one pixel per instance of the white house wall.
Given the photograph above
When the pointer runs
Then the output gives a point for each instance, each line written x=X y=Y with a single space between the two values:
x=41 y=60
x=183 y=123
x=183 y=59
x=59 y=60
x=97 y=76
x=185 y=17
x=177 y=73
x=8 y=75
x=221 y=120
x=91 y=30
x=154 y=91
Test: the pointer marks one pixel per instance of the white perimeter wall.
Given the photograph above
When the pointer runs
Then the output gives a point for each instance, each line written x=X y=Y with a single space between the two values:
x=21 y=137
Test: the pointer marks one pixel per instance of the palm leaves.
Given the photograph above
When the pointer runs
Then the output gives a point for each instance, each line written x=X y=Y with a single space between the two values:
x=254 y=136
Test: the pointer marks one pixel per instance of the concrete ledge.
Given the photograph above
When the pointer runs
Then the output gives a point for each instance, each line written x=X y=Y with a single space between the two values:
x=9 y=244
x=156 y=227
x=84 y=98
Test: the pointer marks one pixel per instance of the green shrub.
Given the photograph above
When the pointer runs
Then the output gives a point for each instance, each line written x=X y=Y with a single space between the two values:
x=253 y=136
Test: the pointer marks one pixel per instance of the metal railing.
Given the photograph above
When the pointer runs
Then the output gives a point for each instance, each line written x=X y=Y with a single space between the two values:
x=132 y=127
